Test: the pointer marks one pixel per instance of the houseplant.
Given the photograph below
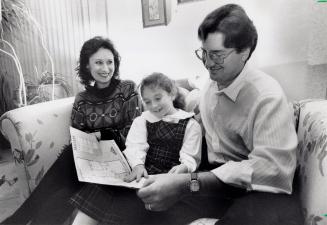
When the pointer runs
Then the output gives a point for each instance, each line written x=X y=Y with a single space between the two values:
x=46 y=88
x=14 y=15
x=12 y=18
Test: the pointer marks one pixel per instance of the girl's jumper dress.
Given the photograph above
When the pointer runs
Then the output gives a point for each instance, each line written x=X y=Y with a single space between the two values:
x=119 y=205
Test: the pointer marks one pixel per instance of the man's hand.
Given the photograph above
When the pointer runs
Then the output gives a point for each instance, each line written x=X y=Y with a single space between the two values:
x=137 y=173
x=181 y=168
x=163 y=190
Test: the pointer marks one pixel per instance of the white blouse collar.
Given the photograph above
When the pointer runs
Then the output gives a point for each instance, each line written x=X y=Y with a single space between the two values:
x=178 y=115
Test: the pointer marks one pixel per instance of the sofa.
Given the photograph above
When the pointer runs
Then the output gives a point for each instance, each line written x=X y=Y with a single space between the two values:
x=37 y=134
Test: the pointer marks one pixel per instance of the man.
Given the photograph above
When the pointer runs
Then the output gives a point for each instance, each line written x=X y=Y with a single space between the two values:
x=251 y=140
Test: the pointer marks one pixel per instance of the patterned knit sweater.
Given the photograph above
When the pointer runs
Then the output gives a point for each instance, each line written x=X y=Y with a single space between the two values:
x=110 y=110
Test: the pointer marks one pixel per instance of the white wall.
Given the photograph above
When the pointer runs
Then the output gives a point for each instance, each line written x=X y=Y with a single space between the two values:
x=282 y=27
x=289 y=31
x=317 y=53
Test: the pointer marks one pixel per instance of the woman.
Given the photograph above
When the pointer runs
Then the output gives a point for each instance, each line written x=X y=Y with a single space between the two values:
x=106 y=108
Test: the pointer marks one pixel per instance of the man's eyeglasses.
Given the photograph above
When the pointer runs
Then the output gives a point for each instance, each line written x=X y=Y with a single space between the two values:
x=216 y=56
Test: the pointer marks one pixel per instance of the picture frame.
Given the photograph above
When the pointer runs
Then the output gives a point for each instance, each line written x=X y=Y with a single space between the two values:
x=155 y=13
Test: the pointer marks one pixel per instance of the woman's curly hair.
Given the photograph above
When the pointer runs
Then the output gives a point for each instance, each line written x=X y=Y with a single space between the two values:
x=90 y=47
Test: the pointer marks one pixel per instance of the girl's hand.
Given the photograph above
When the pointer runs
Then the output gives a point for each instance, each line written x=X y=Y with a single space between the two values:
x=179 y=169
x=137 y=173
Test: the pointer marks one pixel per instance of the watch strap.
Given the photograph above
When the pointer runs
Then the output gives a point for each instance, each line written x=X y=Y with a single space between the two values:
x=194 y=176
x=194 y=183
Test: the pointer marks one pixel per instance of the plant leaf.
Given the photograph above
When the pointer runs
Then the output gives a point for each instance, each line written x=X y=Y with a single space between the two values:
x=28 y=175
x=39 y=176
x=39 y=121
x=29 y=155
x=34 y=160
x=38 y=145
x=28 y=137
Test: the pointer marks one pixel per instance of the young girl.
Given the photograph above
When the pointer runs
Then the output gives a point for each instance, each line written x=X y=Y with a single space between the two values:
x=163 y=139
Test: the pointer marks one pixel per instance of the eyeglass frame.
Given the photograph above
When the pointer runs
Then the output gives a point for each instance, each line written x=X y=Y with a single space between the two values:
x=220 y=57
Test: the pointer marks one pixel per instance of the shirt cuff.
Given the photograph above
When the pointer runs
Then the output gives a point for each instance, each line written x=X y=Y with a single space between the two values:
x=191 y=167
x=132 y=159
x=235 y=173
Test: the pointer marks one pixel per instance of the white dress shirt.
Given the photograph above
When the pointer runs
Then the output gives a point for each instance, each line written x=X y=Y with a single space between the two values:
x=137 y=145
x=249 y=128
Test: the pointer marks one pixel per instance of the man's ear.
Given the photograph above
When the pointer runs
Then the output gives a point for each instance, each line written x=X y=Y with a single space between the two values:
x=245 y=54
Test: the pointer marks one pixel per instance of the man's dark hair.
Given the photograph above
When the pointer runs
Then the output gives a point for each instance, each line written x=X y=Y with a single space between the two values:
x=232 y=21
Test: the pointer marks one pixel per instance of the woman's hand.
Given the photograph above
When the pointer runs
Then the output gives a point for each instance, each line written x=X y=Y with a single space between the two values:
x=181 y=168
x=163 y=190
x=97 y=135
x=137 y=173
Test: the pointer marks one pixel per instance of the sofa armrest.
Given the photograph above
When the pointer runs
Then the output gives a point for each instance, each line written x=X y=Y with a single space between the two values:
x=312 y=158
x=37 y=134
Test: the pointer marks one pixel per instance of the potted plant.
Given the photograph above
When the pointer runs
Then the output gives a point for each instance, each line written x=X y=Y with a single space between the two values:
x=45 y=89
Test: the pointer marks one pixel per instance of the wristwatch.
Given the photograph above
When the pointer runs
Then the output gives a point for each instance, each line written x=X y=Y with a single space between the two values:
x=194 y=183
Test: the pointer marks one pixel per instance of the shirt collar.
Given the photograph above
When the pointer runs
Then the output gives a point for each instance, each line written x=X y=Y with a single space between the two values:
x=178 y=115
x=234 y=88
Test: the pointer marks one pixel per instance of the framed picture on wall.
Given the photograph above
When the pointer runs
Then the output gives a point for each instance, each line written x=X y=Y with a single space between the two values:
x=155 y=13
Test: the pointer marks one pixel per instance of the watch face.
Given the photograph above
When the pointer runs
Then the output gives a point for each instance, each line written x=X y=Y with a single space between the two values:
x=194 y=186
